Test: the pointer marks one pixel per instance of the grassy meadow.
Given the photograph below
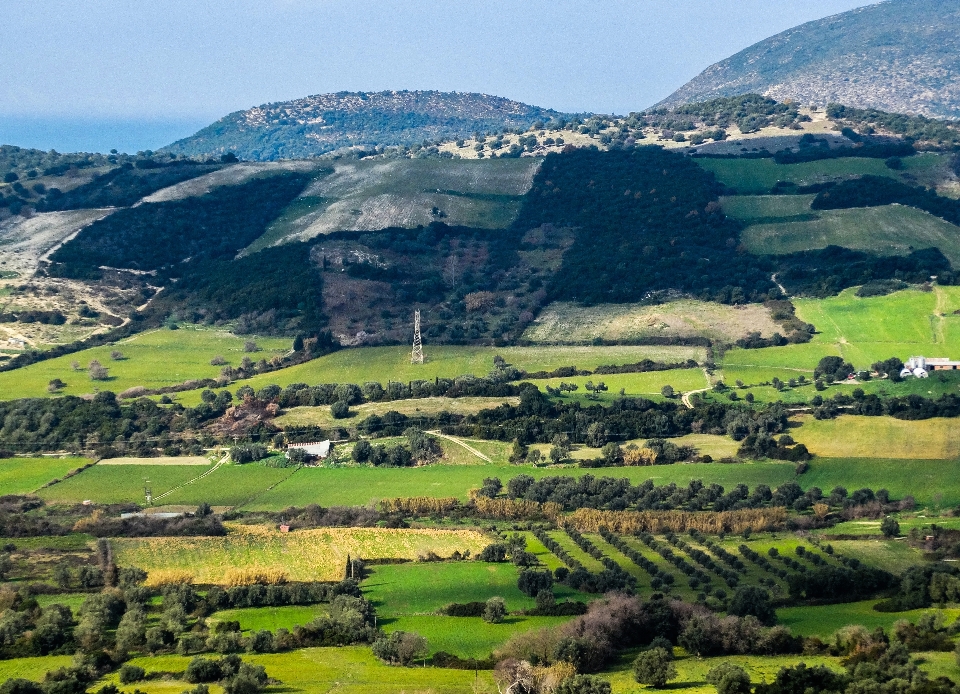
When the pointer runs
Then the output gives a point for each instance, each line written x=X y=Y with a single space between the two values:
x=879 y=437
x=25 y=475
x=302 y=555
x=859 y=330
x=152 y=359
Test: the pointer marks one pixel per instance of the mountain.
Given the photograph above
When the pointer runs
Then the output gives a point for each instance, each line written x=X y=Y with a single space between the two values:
x=319 y=124
x=901 y=56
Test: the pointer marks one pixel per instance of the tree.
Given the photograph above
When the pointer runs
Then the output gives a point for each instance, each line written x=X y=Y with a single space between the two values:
x=654 y=667
x=361 y=451
x=667 y=391
x=496 y=552
x=519 y=451
x=495 y=610
x=890 y=527
x=753 y=600
x=97 y=371
x=116 y=355
x=532 y=582
x=340 y=409
x=729 y=679
x=400 y=648
x=55 y=385
x=131 y=673
x=491 y=487
x=251 y=346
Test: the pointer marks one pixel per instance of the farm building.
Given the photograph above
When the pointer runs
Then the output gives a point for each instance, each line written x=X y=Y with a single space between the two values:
x=312 y=451
x=920 y=367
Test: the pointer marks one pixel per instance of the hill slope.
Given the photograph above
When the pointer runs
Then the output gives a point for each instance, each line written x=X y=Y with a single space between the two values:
x=318 y=124
x=901 y=55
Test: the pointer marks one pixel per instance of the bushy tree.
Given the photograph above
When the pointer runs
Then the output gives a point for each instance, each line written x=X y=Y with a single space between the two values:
x=582 y=684
x=495 y=610
x=752 y=600
x=890 y=527
x=729 y=679
x=654 y=667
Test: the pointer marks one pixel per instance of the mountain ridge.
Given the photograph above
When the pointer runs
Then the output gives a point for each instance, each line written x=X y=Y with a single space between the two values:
x=898 y=55
x=316 y=125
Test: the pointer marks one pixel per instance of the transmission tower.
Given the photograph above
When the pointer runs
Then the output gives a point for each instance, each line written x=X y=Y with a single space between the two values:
x=417 y=356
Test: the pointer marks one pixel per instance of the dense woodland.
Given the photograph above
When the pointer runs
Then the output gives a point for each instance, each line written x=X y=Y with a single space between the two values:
x=159 y=236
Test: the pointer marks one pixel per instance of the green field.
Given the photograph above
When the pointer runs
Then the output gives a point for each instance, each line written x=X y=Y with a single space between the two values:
x=758 y=176
x=879 y=437
x=32 y=668
x=646 y=385
x=926 y=480
x=113 y=484
x=348 y=670
x=468 y=637
x=418 y=589
x=25 y=475
x=756 y=208
x=270 y=618
x=365 y=364
x=862 y=332
x=824 y=620
x=886 y=230
x=350 y=486
x=152 y=359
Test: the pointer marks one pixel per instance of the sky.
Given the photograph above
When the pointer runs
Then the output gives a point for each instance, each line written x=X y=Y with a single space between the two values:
x=136 y=75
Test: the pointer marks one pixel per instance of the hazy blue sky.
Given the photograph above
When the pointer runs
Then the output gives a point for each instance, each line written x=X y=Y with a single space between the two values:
x=176 y=64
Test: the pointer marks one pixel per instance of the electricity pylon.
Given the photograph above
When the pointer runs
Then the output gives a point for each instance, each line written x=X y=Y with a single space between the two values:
x=417 y=356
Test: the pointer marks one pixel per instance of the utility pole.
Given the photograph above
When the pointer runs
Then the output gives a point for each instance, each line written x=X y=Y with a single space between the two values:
x=417 y=356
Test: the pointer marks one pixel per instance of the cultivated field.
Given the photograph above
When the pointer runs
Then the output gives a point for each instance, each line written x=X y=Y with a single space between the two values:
x=879 y=437
x=111 y=484
x=887 y=230
x=565 y=323
x=302 y=555
x=153 y=359
x=758 y=176
x=25 y=475
x=375 y=195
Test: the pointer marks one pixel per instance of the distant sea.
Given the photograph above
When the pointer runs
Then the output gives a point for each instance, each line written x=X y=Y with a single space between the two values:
x=94 y=134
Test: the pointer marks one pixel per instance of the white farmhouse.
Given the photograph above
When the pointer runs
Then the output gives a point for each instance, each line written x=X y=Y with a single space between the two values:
x=317 y=449
x=920 y=367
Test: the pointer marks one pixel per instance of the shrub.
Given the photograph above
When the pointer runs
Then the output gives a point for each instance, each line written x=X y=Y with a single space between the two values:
x=583 y=684
x=340 y=410
x=752 y=600
x=131 y=673
x=400 y=648
x=654 y=667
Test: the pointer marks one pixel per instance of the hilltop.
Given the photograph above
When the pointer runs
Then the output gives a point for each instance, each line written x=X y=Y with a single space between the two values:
x=901 y=56
x=315 y=125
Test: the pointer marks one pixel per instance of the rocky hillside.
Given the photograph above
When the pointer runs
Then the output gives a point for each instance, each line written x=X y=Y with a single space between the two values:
x=318 y=124
x=900 y=55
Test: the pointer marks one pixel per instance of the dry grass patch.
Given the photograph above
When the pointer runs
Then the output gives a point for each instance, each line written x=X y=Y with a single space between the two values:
x=162 y=460
x=303 y=555
x=426 y=407
x=567 y=323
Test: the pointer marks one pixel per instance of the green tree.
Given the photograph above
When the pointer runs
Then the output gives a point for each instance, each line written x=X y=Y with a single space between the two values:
x=654 y=667
x=340 y=409
x=890 y=527
x=495 y=610
x=667 y=391
x=755 y=601
x=729 y=679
